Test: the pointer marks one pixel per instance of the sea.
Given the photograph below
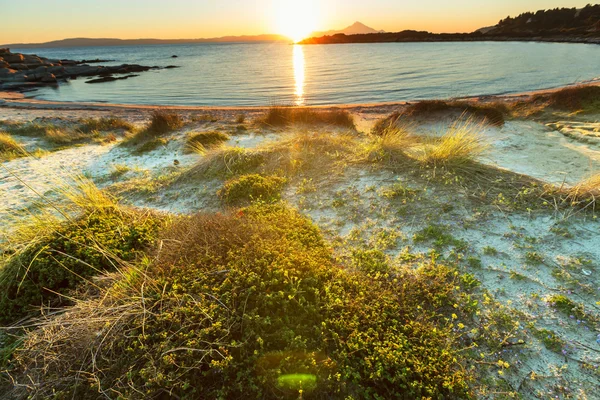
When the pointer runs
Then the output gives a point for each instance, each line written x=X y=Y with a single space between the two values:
x=259 y=74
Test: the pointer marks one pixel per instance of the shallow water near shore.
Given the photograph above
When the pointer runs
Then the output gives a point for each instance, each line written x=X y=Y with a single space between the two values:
x=269 y=73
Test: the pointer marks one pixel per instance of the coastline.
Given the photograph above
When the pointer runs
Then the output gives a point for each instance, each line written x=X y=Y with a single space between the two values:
x=19 y=100
x=444 y=38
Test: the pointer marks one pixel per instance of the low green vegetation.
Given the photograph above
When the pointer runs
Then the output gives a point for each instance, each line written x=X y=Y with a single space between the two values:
x=252 y=305
x=439 y=235
x=56 y=263
x=287 y=116
x=248 y=188
x=570 y=308
x=550 y=339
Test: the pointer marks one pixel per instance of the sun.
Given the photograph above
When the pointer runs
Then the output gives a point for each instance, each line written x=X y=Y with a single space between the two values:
x=296 y=19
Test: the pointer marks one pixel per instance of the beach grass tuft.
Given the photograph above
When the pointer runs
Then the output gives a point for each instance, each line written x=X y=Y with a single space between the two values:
x=205 y=140
x=9 y=147
x=287 y=116
x=164 y=121
x=105 y=124
x=460 y=145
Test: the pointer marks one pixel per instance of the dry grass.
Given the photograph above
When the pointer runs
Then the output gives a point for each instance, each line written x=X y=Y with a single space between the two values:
x=585 y=194
x=68 y=134
x=161 y=123
x=105 y=124
x=492 y=113
x=390 y=143
x=461 y=144
x=9 y=147
x=71 y=197
x=164 y=121
x=287 y=116
x=588 y=188
x=578 y=98
x=54 y=134
x=296 y=153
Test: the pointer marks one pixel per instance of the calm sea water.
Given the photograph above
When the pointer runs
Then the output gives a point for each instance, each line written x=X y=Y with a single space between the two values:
x=267 y=74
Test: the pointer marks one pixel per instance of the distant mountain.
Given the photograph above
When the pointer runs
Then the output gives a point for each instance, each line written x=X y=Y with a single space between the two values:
x=89 y=42
x=357 y=28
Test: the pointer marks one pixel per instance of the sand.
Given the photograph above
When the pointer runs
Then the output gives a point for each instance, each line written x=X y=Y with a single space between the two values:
x=349 y=208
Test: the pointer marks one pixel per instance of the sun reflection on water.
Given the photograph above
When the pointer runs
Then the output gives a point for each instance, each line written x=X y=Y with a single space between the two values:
x=299 y=74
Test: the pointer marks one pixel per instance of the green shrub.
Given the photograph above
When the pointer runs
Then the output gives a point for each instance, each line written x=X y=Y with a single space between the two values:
x=371 y=262
x=569 y=307
x=75 y=252
x=248 y=188
x=252 y=305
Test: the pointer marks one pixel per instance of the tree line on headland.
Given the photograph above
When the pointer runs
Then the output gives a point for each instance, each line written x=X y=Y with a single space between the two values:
x=556 y=25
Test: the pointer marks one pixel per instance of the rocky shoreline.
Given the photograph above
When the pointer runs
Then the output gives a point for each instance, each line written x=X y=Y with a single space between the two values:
x=21 y=72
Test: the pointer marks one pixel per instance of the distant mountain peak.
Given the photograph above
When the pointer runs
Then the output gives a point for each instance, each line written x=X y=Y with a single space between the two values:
x=357 y=28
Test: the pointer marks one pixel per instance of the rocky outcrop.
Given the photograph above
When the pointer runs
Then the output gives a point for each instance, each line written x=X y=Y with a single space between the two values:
x=26 y=71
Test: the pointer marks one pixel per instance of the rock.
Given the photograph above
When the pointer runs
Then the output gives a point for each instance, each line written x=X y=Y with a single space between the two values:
x=20 y=67
x=26 y=71
x=174 y=56
x=40 y=70
x=5 y=72
x=110 y=78
x=34 y=60
x=48 y=78
x=14 y=58
x=96 y=61
x=172 y=66
x=58 y=70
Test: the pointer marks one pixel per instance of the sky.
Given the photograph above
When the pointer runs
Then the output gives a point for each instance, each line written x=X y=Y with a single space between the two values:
x=45 y=20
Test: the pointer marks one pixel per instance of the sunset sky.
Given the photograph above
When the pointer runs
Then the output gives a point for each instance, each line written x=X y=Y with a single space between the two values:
x=45 y=20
